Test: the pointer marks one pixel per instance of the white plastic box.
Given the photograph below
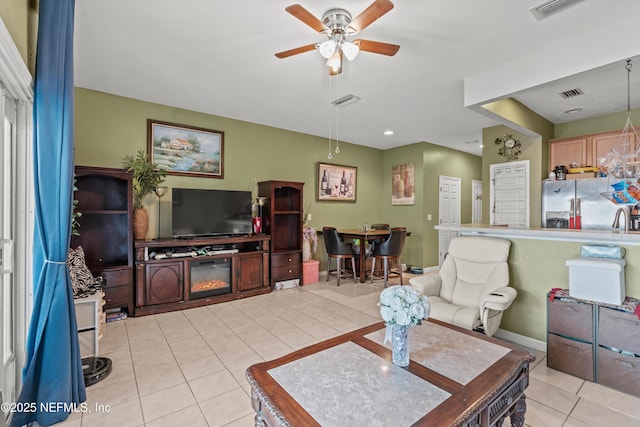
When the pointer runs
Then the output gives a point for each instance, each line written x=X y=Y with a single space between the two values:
x=287 y=284
x=597 y=279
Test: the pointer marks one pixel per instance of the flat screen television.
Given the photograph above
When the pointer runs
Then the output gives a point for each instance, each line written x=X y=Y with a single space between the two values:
x=205 y=213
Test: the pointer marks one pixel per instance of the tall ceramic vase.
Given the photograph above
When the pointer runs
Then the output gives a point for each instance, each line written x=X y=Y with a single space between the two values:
x=400 y=345
x=140 y=223
x=306 y=250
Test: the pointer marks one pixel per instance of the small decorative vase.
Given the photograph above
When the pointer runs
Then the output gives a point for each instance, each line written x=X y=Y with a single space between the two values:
x=140 y=223
x=400 y=345
x=257 y=225
x=306 y=250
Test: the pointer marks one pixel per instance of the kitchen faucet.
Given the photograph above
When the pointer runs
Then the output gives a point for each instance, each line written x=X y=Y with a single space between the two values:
x=616 y=220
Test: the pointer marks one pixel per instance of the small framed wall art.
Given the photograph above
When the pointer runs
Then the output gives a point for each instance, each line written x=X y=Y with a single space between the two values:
x=186 y=150
x=403 y=184
x=336 y=183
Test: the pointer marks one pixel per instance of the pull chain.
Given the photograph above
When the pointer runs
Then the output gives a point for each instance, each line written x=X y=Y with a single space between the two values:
x=330 y=156
x=628 y=67
x=337 y=115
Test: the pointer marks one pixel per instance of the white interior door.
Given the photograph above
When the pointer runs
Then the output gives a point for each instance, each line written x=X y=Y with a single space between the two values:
x=509 y=194
x=476 y=202
x=16 y=215
x=448 y=212
x=8 y=386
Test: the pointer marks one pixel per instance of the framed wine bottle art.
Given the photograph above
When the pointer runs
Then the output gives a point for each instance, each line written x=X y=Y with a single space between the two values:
x=336 y=183
x=403 y=184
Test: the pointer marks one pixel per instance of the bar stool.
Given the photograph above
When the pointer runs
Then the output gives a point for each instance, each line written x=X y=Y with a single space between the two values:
x=339 y=250
x=390 y=249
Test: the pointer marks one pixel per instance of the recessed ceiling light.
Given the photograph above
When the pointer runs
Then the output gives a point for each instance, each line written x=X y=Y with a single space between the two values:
x=388 y=132
x=573 y=111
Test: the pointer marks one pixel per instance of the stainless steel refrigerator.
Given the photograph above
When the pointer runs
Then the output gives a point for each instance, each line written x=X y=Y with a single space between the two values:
x=597 y=212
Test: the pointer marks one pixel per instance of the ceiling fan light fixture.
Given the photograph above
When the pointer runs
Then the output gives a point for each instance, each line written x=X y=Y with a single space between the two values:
x=327 y=48
x=334 y=62
x=350 y=50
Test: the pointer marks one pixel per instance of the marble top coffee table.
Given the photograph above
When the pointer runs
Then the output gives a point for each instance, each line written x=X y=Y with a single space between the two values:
x=455 y=378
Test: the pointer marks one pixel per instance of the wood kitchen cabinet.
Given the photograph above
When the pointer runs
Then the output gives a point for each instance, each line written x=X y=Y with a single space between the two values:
x=587 y=150
x=567 y=151
x=602 y=144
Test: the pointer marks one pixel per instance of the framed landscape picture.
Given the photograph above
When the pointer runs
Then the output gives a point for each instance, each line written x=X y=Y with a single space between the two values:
x=186 y=150
x=336 y=183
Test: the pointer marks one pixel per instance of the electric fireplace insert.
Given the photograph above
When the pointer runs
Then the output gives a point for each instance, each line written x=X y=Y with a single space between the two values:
x=210 y=277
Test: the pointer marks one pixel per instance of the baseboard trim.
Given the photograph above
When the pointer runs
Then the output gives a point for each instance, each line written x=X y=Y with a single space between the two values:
x=521 y=340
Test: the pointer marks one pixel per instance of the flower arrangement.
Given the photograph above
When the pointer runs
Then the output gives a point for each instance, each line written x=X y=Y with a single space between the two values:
x=403 y=306
x=310 y=234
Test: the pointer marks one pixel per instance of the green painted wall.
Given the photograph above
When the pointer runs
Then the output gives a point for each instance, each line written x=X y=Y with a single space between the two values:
x=535 y=148
x=405 y=215
x=536 y=267
x=596 y=124
x=20 y=18
x=440 y=161
x=531 y=150
x=108 y=127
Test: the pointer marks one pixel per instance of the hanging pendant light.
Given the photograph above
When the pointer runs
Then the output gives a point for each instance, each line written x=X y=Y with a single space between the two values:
x=621 y=161
x=335 y=62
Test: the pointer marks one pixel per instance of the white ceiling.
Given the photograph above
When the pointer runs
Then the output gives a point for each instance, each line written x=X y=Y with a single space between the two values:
x=217 y=57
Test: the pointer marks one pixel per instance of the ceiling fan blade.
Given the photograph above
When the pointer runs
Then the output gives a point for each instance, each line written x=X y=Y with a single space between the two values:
x=305 y=16
x=377 y=47
x=370 y=14
x=295 y=51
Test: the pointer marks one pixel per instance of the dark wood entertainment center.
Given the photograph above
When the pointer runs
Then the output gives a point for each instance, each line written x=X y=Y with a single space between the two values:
x=148 y=277
x=104 y=198
x=164 y=270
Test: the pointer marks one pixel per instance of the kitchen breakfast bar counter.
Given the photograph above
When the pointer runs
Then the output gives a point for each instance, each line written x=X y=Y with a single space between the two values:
x=607 y=237
x=537 y=264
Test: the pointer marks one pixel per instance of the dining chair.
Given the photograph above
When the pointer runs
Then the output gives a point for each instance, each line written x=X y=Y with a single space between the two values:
x=338 y=249
x=374 y=242
x=390 y=249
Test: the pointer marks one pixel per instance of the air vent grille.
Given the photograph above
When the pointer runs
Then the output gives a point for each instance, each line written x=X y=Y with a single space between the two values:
x=571 y=93
x=346 y=100
x=549 y=7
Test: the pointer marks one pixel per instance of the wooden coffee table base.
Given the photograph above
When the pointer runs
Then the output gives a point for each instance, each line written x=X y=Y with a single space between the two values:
x=455 y=378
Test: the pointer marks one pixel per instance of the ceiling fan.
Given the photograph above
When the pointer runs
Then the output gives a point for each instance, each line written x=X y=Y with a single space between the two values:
x=337 y=25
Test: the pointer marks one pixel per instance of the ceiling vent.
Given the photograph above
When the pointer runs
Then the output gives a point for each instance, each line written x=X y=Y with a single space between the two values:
x=571 y=93
x=346 y=100
x=549 y=7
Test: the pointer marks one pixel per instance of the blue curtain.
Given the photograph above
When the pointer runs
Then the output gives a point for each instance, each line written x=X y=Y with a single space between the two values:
x=52 y=378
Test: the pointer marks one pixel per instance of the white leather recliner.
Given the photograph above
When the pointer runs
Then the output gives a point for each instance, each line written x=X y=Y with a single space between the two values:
x=471 y=290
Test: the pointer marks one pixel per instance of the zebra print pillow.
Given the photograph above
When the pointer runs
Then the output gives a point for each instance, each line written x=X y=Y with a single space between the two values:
x=82 y=280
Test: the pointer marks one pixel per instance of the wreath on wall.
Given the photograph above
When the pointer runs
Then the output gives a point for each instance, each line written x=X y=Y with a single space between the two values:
x=509 y=147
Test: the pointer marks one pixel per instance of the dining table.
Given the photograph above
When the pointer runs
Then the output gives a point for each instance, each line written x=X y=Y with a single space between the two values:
x=363 y=236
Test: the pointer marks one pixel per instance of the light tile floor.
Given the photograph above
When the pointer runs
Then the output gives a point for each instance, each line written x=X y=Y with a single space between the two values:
x=187 y=367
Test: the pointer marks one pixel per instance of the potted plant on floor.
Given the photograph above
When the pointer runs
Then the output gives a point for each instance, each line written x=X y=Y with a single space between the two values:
x=146 y=177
